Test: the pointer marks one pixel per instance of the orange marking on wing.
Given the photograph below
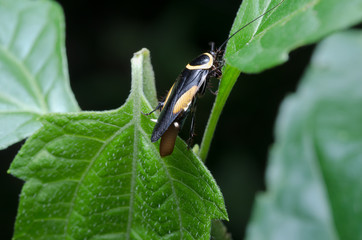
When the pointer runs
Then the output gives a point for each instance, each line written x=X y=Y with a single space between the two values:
x=168 y=95
x=184 y=101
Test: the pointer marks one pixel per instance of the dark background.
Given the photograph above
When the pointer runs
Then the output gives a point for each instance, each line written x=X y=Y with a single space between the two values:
x=101 y=39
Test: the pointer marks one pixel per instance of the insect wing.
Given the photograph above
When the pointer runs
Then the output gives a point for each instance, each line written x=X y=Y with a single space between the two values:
x=178 y=101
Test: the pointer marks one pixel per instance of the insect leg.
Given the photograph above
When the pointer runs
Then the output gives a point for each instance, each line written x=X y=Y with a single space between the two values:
x=192 y=129
x=216 y=73
x=214 y=92
x=159 y=106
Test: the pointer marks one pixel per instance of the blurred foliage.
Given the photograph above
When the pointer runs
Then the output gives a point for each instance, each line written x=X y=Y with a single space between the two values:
x=313 y=177
x=33 y=71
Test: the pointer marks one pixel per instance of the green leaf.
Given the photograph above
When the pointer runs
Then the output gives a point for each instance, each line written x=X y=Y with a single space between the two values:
x=314 y=175
x=96 y=175
x=267 y=41
x=33 y=67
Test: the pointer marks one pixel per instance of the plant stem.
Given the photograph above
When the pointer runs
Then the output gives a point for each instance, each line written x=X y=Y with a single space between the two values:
x=230 y=75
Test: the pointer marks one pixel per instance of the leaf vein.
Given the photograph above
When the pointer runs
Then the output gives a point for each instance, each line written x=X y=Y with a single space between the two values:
x=84 y=174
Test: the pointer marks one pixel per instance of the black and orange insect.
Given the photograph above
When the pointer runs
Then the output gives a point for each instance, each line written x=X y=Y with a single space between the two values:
x=181 y=98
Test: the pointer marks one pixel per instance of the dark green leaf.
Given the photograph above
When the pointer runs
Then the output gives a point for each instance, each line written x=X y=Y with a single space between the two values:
x=96 y=175
x=33 y=67
x=314 y=174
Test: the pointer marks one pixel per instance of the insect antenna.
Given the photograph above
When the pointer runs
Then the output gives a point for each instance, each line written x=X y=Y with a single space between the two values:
x=232 y=35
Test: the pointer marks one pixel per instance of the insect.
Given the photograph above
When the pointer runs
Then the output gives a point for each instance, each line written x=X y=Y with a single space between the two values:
x=181 y=98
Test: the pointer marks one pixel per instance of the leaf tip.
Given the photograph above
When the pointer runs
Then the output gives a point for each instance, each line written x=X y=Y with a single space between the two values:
x=144 y=51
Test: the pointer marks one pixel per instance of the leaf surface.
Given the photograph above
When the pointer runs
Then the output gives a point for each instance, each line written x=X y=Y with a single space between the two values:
x=268 y=41
x=96 y=175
